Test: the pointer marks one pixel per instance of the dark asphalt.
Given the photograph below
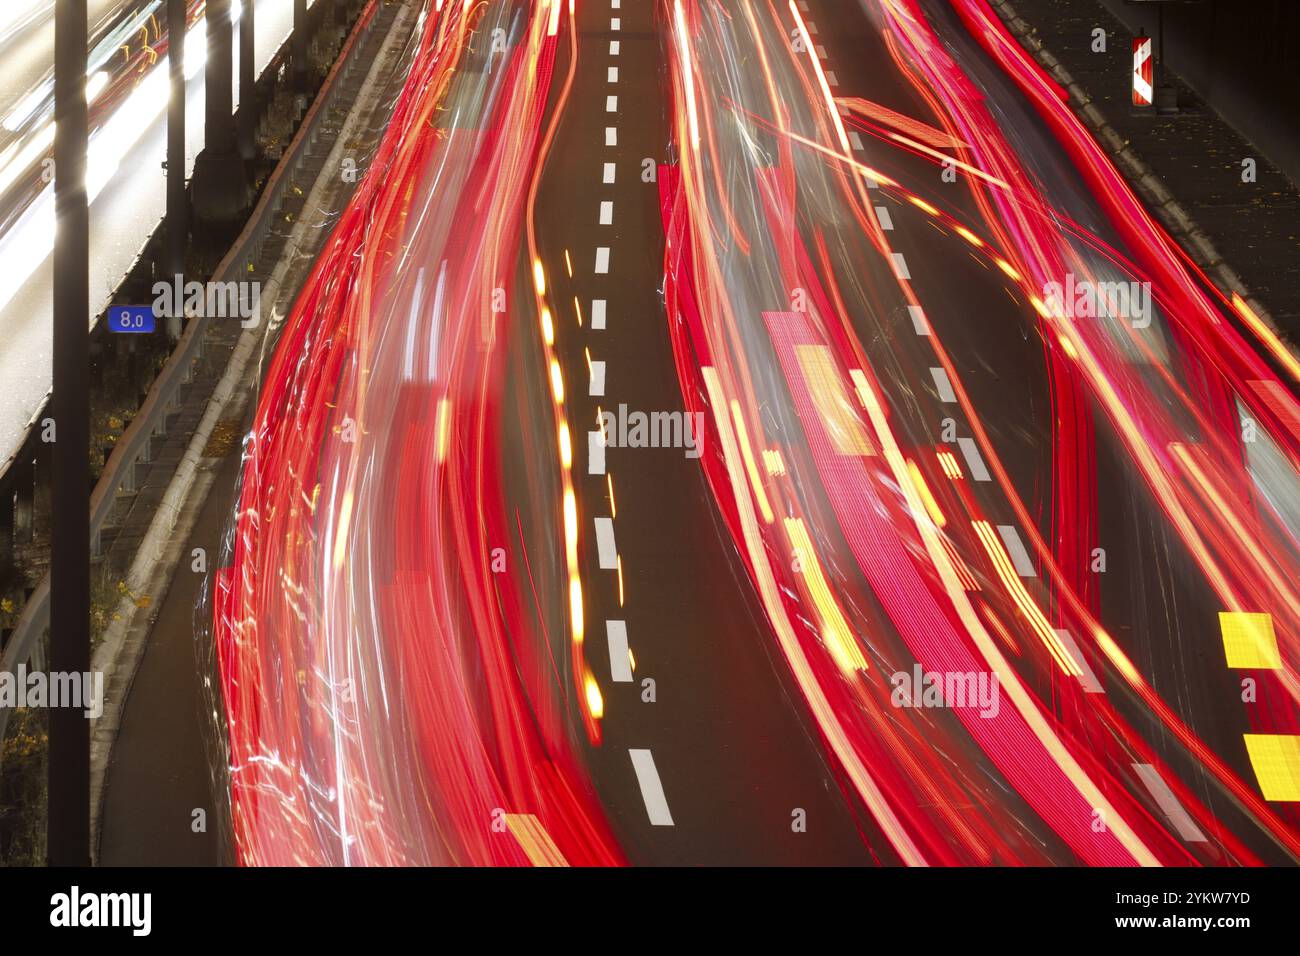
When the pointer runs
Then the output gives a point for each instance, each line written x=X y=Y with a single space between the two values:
x=732 y=752
x=159 y=771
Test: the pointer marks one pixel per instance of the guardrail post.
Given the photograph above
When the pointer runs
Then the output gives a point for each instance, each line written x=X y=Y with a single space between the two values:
x=23 y=472
x=8 y=509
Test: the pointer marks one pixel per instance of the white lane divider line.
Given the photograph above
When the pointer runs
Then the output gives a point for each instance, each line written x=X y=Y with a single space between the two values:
x=856 y=140
x=597 y=313
x=615 y=24
x=602 y=260
x=615 y=4
x=611 y=75
x=812 y=27
x=595 y=453
x=1169 y=804
x=611 y=104
x=973 y=459
x=597 y=388
x=620 y=657
x=820 y=51
x=831 y=79
x=943 y=384
x=919 y=321
x=1086 y=676
x=652 y=790
x=611 y=135
x=606 y=212
x=1017 y=551
x=613 y=47
x=882 y=214
x=900 y=265
x=606 y=550
x=607 y=173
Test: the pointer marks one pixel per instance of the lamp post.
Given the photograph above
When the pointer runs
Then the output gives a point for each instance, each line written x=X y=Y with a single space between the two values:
x=68 y=838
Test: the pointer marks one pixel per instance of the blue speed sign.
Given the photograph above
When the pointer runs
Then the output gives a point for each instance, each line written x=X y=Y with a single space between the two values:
x=130 y=318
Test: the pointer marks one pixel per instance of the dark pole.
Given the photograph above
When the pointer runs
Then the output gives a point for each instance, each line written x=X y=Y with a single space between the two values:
x=247 y=80
x=299 y=52
x=219 y=189
x=178 y=213
x=69 y=757
x=219 y=101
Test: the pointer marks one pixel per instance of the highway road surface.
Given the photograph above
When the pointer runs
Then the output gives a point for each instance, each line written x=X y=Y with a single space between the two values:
x=758 y=432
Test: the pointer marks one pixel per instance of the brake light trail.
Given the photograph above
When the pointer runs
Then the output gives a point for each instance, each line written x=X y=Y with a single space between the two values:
x=389 y=689
x=735 y=251
x=392 y=695
x=1252 y=565
x=973 y=122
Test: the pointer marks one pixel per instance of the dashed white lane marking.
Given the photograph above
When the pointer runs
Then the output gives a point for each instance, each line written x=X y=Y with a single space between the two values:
x=615 y=4
x=1016 y=549
x=607 y=174
x=812 y=27
x=611 y=135
x=803 y=5
x=973 y=459
x=613 y=48
x=597 y=313
x=831 y=79
x=942 y=384
x=652 y=790
x=606 y=550
x=615 y=24
x=611 y=75
x=855 y=139
x=882 y=214
x=1086 y=676
x=611 y=104
x=602 y=260
x=620 y=658
x=595 y=453
x=606 y=212
x=900 y=265
x=597 y=388
x=919 y=322
x=820 y=51
x=408 y=355
x=1168 y=803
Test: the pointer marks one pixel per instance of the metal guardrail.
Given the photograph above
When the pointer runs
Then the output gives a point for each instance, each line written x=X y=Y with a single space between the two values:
x=150 y=421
